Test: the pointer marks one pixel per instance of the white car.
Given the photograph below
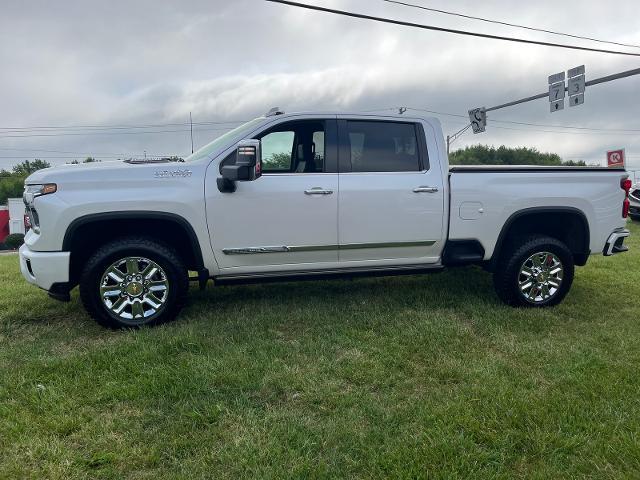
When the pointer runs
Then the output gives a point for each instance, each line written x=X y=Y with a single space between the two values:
x=634 y=205
x=311 y=195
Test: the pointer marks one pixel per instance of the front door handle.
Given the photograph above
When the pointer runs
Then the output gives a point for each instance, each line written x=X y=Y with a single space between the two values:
x=425 y=189
x=318 y=191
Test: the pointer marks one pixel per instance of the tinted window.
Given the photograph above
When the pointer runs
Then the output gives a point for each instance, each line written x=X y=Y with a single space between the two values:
x=383 y=147
x=277 y=151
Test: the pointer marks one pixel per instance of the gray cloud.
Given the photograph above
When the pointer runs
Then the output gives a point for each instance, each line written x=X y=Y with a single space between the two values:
x=144 y=62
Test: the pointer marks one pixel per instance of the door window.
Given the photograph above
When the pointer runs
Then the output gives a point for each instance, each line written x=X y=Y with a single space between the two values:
x=277 y=151
x=382 y=146
x=294 y=147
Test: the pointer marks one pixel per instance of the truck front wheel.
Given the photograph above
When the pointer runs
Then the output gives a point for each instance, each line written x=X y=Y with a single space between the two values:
x=133 y=282
x=534 y=272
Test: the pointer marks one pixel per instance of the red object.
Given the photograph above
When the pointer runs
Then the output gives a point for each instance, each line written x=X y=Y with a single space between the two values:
x=626 y=186
x=4 y=224
x=615 y=158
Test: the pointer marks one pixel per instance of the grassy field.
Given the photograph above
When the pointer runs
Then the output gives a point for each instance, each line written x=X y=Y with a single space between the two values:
x=421 y=376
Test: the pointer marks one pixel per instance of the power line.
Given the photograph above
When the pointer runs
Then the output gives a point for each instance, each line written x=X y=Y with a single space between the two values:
x=115 y=127
x=57 y=134
x=447 y=30
x=422 y=7
x=491 y=120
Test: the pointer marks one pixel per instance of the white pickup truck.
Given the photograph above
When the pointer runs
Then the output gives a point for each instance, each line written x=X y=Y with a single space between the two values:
x=311 y=195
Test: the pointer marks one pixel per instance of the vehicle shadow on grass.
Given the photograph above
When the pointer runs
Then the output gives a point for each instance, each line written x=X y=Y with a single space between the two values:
x=465 y=294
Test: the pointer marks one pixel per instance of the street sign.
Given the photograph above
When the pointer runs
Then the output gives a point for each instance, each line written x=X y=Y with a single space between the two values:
x=478 y=119
x=574 y=72
x=576 y=85
x=576 y=100
x=556 y=91
x=556 y=77
x=615 y=158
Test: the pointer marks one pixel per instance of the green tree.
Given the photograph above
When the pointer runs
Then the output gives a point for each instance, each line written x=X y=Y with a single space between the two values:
x=277 y=161
x=27 y=167
x=489 y=155
x=11 y=186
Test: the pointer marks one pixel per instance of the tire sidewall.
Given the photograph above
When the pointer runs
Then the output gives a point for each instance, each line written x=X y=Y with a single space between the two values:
x=106 y=256
x=526 y=251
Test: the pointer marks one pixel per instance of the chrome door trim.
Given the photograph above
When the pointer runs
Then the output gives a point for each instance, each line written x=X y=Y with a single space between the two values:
x=313 y=248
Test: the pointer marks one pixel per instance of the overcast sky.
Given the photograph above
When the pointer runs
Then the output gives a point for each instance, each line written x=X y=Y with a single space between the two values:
x=69 y=63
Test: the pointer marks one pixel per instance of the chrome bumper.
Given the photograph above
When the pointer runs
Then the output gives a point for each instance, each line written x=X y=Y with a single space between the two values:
x=615 y=242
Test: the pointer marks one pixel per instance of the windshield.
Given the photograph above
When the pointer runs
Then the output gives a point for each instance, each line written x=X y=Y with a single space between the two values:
x=236 y=133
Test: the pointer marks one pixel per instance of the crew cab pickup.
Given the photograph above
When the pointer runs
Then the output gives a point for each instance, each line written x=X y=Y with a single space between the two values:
x=311 y=195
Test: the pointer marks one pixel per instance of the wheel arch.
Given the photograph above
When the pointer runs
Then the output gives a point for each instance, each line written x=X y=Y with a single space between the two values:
x=567 y=224
x=103 y=227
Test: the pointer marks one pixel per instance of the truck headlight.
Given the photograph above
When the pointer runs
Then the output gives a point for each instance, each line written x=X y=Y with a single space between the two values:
x=33 y=191
x=29 y=195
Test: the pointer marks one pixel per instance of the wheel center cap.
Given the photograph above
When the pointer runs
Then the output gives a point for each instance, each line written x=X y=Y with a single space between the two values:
x=134 y=289
x=541 y=277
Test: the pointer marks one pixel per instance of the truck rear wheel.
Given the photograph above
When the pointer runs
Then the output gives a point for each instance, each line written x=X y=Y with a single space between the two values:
x=132 y=282
x=534 y=272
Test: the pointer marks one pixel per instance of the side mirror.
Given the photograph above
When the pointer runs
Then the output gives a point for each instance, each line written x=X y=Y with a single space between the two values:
x=248 y=166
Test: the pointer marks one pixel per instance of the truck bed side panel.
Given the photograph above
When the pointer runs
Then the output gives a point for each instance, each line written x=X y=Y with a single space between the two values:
x=483 y=201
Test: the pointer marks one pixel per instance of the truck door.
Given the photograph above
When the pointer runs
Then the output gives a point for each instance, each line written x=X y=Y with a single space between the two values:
x=288 y=217
x=391 y=202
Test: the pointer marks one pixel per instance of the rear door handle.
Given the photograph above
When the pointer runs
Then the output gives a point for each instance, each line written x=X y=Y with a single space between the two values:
x=425 y=189
x=318 y=191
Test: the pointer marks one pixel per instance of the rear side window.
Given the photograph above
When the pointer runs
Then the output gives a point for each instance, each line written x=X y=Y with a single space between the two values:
x=383 y=146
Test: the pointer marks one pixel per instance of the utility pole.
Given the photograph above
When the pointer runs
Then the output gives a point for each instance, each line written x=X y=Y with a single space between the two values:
x=191 y=124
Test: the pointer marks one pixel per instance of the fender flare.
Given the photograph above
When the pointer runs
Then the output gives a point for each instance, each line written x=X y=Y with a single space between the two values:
x=537 y=210
x=135 y=214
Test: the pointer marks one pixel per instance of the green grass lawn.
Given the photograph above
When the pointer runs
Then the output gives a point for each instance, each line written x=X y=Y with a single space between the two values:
x=420 y=376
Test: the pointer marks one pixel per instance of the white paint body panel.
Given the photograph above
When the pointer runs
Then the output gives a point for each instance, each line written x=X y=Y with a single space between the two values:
x=596 y=194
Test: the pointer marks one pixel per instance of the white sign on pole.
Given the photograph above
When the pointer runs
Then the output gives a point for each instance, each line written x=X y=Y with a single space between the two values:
x=574 y=72
x=556 y=92
x=478 y=119
x=576 y=100
x=576 y=85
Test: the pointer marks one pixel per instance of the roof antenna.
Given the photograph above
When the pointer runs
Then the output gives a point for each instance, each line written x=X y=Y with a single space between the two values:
x=401 y=110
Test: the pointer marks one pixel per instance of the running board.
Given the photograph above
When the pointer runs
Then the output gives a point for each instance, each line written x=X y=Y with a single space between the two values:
x=325 y=274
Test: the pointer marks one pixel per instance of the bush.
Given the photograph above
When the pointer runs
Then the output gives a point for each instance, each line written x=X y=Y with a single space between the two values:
x=14 y=241
x=3 y=247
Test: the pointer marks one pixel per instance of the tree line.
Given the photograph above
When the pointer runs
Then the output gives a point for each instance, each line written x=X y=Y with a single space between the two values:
x=489 y=155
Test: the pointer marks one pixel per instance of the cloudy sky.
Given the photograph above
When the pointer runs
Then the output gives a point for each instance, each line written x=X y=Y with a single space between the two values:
x=129 y=65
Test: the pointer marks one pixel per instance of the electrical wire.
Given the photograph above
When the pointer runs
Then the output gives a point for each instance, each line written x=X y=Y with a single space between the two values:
x=515 y=25
x=447 y=30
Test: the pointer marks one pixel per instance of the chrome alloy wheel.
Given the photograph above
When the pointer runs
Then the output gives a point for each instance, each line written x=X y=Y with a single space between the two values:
x=540 y=277
x=134 y=289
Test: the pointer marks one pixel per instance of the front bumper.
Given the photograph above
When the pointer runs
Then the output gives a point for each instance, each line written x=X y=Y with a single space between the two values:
x=615 y=242
x=44 y=269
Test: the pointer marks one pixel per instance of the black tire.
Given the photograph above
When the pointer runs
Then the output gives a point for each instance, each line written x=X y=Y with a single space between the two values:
x=174 y=275
x=507 y=274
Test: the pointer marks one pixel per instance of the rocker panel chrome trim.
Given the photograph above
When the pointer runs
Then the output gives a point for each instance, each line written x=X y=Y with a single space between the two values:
x=314 y=248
